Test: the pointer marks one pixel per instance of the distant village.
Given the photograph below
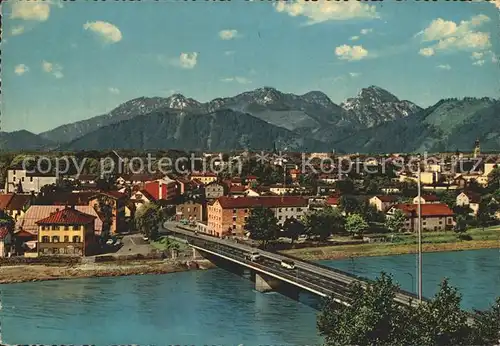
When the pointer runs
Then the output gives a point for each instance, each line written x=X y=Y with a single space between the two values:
x=45 y=214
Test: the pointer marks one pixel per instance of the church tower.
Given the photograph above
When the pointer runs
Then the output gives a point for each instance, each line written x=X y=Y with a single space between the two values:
x=477 y=149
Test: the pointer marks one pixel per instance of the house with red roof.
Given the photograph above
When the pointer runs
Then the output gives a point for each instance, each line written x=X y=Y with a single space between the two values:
x=435 y=217
x=383 y=202
x=14 y=204
x=227 y=215
x=66 y=232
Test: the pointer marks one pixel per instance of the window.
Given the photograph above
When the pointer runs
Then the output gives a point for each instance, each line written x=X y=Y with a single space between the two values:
x=22 y=178
x=66 y=239
x=66 y=228
x=76 y=228
x=54 y=227
x=234 y=211
x=76 y=239
x=31 y=179
x=13 y=178
x=194 y=209
x=189 y=210
x=440 y=222
x=45 y=239
x=299 y=209
x=43 y=228
x=246 y=211
x=246 y=218
x=55 y=239
x=234 y=218
x=279 y=210
x=14 y=172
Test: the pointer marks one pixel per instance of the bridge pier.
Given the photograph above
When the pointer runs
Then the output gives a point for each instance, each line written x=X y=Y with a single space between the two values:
x=266 y=283
x=197 y=254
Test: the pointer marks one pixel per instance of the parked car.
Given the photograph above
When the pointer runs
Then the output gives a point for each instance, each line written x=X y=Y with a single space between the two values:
x=288 y=264
x=253 y=256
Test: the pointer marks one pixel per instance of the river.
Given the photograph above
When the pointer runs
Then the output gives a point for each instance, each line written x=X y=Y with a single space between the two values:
x=211 y=307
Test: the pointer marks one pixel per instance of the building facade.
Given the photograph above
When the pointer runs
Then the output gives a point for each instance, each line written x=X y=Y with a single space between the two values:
x=215 y=190
x=26 y=181
x=435 y=217
x=66 y=232
x=189 y=210
x=227 y=216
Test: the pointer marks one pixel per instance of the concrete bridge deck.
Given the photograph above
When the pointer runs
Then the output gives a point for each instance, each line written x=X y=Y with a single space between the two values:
x=317 y=279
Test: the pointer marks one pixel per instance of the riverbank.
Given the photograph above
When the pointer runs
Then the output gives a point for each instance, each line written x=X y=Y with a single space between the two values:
x=434 y=243
x=40 y=272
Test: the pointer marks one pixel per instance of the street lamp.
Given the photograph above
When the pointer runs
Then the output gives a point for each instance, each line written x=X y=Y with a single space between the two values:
x=412 y=280
x=419 y=234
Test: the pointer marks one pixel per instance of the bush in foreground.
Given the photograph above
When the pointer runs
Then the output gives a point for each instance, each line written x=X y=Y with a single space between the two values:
x=374 y=318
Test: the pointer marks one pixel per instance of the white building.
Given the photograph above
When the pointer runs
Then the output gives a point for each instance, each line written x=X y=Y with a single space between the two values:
x=29 y=181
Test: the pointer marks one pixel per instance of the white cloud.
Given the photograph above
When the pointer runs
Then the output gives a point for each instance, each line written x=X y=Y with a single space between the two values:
x=21 y=69
x=365 y=31
x=351 y=53
x=322 y=11
x=354 y=74
x=106 y=31
x=427 y=51
x=229 y=52
x=239 y=80
x=29 y=10
x=54 y=69
x=448 y=35
x=114 y=91
x=354 y=38
x=444 y=67
x=187 y=60
x=478 y=63
x=228 y=34
x=17 y=30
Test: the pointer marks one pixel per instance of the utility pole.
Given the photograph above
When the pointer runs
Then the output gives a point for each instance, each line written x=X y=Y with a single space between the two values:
x=419 y=234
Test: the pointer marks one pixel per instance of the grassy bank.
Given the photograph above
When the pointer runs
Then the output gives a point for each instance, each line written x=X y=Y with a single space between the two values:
x=405 y=244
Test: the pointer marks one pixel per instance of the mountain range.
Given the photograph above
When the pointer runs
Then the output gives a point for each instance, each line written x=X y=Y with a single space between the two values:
x=374 y=121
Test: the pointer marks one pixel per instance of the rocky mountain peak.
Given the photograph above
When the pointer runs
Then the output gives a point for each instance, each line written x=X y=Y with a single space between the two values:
x=317 y=97
x=179 y=101
x=376 y=94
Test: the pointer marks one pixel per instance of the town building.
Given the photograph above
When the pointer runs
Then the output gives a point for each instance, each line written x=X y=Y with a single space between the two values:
x=227 y=216
x=165 y=188
x=66 y=232
x=435 y=217
x=383 y=202
x=117 y=201
x=189 y=210
x=24 y=181
x=469 y=199
x=14 y=204
x=427 y=199
x=205 y=177
x=215 y=190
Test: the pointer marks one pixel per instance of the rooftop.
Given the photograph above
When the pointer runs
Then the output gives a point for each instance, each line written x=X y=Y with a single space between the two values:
x=264 y=201
x=67 y=216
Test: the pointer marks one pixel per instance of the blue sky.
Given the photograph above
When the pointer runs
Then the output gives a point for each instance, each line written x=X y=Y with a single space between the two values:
x=64 y=62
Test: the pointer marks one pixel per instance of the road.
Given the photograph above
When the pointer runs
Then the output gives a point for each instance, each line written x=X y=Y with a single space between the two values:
x=318 y=279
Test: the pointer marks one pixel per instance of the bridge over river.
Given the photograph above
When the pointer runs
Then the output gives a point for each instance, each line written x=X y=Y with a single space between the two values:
x=317 y=279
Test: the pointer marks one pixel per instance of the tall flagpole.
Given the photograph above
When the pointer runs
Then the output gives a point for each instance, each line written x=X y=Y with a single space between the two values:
x=419 y=234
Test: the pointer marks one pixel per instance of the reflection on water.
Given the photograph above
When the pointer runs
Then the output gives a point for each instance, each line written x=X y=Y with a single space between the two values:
x=210 y=307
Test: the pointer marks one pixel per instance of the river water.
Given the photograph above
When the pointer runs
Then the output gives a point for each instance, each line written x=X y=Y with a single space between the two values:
x=211 y=307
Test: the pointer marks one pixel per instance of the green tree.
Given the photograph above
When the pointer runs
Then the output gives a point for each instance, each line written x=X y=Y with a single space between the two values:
x=322 y=223
x=293 y=228
x=262 y=225
x=483 y=216
x=349 y=204
x=374 y=318
x=356 y=224
x=148 y=218
x=396 y=222
x=461 y=224
x=104 y=208
x=449 y=198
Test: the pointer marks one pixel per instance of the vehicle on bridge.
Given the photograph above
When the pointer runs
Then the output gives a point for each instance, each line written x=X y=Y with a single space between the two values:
x=288 y=264
x=253 y=256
